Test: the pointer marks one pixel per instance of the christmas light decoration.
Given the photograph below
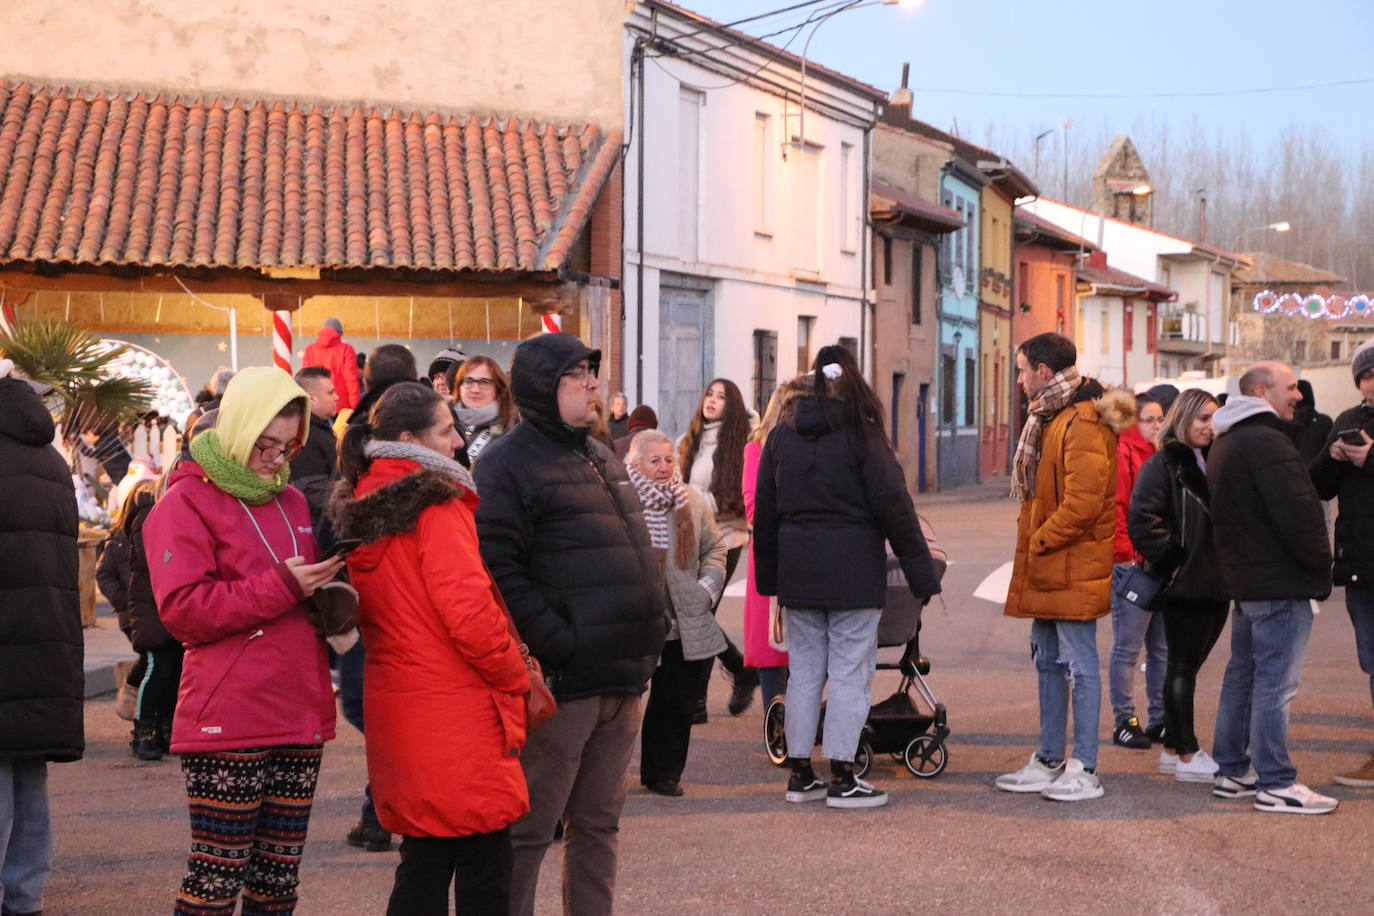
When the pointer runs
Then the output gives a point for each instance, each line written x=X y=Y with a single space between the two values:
x=1335 y=307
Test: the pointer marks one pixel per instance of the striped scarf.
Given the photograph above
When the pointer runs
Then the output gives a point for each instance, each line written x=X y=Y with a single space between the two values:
x=1054 y=397
x=665 y=504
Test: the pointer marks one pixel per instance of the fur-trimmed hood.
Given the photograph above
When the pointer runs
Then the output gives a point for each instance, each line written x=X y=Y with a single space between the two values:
x=1116 y=409
x=392 y=508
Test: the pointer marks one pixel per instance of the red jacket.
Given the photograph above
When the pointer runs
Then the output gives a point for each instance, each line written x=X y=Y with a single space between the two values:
x=255 y=672
x=1132 y=450
x=341 y=360
x=444 y=683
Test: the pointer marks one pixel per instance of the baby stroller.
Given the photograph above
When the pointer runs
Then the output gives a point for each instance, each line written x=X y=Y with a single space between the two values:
x=912 y=729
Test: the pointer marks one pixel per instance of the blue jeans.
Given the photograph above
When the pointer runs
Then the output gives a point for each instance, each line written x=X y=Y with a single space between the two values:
x=1268 y=644
x=1359 y=603
x=25 y=834
x=351 y=665
x=1132 y=627
x=841 y=646
x=1065 y=652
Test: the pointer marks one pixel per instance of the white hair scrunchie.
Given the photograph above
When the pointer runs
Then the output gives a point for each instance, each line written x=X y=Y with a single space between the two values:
x=6 y=367
x=832 y=371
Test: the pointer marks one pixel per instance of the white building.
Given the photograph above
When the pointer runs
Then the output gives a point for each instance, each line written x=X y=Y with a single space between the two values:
x=1191 y=334
x=753 y=251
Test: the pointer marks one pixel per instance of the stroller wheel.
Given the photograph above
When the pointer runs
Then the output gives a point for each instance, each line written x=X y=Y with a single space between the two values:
x=774 y=731
x=863 y=759
x=925 y=757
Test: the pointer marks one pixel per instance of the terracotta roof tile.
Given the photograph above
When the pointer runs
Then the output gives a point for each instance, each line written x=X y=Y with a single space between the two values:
x=155 y=179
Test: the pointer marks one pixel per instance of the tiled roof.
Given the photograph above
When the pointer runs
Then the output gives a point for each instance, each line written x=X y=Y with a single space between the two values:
x=1009 y=177
x=891 y=202
x=1111 y=280
x=1264 y=267
x=1041 y=230
x=162 y=180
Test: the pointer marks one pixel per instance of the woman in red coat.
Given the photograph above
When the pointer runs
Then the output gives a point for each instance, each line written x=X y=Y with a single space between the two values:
x=1133 y=627
x=444 y=683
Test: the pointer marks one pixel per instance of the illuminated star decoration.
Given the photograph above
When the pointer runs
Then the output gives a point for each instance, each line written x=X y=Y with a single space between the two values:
x=222 y=346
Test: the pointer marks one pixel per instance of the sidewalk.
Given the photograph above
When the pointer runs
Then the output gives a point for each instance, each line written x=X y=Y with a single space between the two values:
x=997 y=488
x=106 y=646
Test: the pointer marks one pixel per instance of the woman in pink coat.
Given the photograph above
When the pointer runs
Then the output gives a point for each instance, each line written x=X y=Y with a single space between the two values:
x=771 y=662
x=232 y=556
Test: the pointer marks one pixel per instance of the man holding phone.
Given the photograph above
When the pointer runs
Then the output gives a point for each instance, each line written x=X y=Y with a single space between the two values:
x=1343 y=471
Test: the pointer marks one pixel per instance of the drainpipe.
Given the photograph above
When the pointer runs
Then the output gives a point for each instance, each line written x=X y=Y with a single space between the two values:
x=867 y=344
x=638 y=62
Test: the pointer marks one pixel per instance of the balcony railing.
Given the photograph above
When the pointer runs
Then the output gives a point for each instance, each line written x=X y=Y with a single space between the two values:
x=1182 y=331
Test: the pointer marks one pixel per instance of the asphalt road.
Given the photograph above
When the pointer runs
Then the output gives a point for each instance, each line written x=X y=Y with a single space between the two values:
x=731 y=845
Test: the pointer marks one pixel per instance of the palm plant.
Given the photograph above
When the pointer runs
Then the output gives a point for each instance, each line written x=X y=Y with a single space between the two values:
x=73 y=362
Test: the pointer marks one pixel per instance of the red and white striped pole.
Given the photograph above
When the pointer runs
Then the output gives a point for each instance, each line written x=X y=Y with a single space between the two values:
x=7 y=316
x=281 y=340
x=552 y=323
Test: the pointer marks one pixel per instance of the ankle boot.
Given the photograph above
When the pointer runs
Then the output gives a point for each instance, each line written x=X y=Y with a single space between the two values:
x=144 y=743
x=164 y=733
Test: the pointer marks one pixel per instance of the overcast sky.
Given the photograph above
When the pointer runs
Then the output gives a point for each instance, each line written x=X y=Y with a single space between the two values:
x=1100 y=47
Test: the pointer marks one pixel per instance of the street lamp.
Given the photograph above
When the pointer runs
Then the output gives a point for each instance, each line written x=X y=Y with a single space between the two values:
x=852 y=5
x=1281 y=226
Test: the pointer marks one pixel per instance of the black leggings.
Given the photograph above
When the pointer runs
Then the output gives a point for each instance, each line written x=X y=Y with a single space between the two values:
x=1191 y=629
x=667 y=729
x=477 y=867
x=157 y=691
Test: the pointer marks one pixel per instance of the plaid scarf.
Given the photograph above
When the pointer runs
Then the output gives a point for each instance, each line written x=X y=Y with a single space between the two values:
x=1054 y=397
x=665 y=504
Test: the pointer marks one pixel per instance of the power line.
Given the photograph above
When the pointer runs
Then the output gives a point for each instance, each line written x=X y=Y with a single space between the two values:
x=1206 y=93
x=717 y=26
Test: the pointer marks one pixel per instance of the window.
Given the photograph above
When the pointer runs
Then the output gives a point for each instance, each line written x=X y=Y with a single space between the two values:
x=765 y=368
x=949 y=381
x=1299 y=351
x=805 y=324
x=852 y=345
x=887 y=260
x=689 y=171
x=763 y=144
x=917 y=253
x=809 y=210
x=947 y=244
x=970 y=388
x=898 y=379
x=849 y=224
x=1106 y=329
x=1335 y=349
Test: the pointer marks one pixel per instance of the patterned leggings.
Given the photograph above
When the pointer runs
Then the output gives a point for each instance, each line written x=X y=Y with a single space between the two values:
x=249 y=813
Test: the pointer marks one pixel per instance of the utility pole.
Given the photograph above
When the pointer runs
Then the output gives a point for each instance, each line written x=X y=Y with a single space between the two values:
x=1067 y=125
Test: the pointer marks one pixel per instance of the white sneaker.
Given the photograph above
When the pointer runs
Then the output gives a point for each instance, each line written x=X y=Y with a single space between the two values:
x=1033 y=777
x=1074 y=784
x=1202 y=768
x=1168 y=763
x=1235 y=786
x=1294 y=799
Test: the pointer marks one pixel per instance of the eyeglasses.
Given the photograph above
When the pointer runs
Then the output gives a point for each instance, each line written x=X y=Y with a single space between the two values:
x=286 y=452
x=583 y=375
x=470 y=382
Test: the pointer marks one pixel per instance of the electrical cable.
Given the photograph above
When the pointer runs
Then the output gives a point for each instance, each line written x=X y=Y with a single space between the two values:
x=1205 y=93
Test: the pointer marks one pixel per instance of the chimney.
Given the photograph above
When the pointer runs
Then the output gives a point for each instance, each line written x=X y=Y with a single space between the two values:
x=1097 y=259
x=902 y=98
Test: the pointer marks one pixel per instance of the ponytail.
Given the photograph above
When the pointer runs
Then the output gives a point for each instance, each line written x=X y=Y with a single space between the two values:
x=837 y=375
x=405 y=407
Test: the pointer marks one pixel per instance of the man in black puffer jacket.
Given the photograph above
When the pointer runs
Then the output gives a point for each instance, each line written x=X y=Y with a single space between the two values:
x=1345 y=471
x=563 y=532
x=41 y=679
x=1273 y=557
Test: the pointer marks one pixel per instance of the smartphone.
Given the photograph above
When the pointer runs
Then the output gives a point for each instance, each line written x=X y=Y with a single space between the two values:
x=1351 y=436
x=341 y=548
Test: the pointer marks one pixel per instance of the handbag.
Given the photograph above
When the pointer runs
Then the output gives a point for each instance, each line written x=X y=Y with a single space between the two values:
x=540 y=706
x=777 y=625
x=1140 y=587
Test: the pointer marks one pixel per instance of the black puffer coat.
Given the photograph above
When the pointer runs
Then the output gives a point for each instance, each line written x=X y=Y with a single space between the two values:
x=145 y=624
x=563 y=532
x=41 y=677
x=1170 y=523
x=825 y=504
x=1354 y=489
x=1267 y=520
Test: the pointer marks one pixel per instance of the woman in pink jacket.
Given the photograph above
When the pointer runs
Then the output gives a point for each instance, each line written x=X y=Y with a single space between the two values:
x=232 y=560
x=771 y=662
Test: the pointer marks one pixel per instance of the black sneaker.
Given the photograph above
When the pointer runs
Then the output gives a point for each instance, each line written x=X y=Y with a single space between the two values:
x=699 y=716
x=804 y=787
x=742 y=694
x=853 y=792
x=373 y=839
x=669 y=787
x=1155 y=733
x=1129 y=734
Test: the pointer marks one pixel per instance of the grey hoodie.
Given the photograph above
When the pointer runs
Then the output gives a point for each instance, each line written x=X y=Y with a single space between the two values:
x=1237 y=408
